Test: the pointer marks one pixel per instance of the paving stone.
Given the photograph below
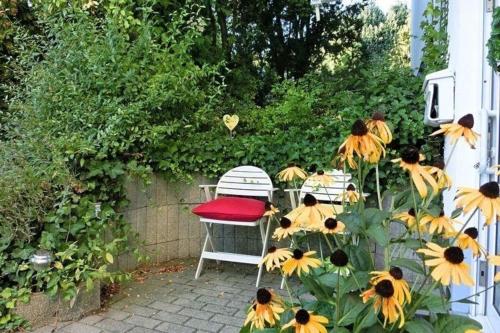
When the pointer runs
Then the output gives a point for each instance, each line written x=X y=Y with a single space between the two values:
x=142 y=330
x=228 y=320
x=196 y=313
x=116 y=314
x=170 y=317
x=219 y=309
x=80 y=328
x=91 y=320
x=142 y=321
x=213 y=300
x=204 y=324
x=189 y=303
x=113 y=326
x=173 y=328
x=230 y=329
x=141 y=310
x=165 y=306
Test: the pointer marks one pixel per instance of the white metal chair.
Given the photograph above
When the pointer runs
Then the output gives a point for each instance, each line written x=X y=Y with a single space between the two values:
x=243 y=181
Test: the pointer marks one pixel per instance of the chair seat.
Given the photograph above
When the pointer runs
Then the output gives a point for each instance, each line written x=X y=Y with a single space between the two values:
x=235 y=209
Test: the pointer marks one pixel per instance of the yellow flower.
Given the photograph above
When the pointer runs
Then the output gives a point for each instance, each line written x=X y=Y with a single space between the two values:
x=291 y=172
x=305 y=322
x=274 y=257
x=462 y=128
x=350 y=194
x=286 y=228
x=270 y=209
x=332 y=226
x=410 y=219
x=441 y=223
x=421 y=177
x=321 y=178
x=395 y=275
x=448 y=263
x=300 y=262
x=495 y=260
x=378 y=126
x=467 y=240
x=443 y=180
x=486 y=199
x=311 y=213
x=266 y=308
x=361 y=143
x=383 y=294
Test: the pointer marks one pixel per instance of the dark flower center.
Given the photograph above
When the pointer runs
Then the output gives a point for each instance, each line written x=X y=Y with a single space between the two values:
x=454 y=254
x=320 y=172
x=342 y=150
x=351 y=187
x=467 y=121
x=385 y=288
x=298 y=254
x=378 y=116
x=410 y=155
x=359 y=128
x=313 y=168
x=263 y=296
x=439 y=164
x=471 y=232
x=490 y=190
x=310 y=200
x=339 y=258
x=441 y=214
x=272 y=249
x=285 y=222
x=330 y=223
x=291 y=165
x=396 y=273
x=302 y=317
x=268 y=205
x=411 y=212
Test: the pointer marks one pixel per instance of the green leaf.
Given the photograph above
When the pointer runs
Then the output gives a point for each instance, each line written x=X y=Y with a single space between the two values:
x=419 y=326
x=109 y=257
x=359 y=258
x=450 y=323
x=411 y=264
x=375 y=216
x=436 y=304
x=379 y=234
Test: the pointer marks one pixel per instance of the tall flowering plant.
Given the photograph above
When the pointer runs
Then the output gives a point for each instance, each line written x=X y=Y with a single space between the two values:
x=351 y=287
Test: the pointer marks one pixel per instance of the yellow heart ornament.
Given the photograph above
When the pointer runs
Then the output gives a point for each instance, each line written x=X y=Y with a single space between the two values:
x=231 y=121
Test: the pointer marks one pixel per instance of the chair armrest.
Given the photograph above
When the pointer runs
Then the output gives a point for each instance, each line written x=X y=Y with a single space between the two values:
x=206 y=189
x=292 y=190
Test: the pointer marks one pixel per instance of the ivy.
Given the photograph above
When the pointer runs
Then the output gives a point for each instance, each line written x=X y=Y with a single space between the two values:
x=494 y=41
x=435 y=36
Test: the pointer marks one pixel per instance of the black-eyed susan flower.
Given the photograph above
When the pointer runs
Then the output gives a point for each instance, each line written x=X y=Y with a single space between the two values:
x=306 y=322
x=448 y=263
x=383 y=295
x=275 y=257
x=378 y=126
x=468 y=240
x=321 y=178
x=332 y=226
x=395 y=275
x=409 y=161
x=350 y=194
x=437 y=171
x=266 y=308
x=270 y=210
x=340 y=262
x=410 y=219
x=440 y=223
x=462 y=128
x=486 y=199
x=495 y=260
x=361 y=143
x=300 y=262
x=291 y=173
x=311 y=213
x=286 y=229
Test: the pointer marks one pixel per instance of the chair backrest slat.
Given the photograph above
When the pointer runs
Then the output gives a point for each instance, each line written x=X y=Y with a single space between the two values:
x=248 y=181
x=332 y=192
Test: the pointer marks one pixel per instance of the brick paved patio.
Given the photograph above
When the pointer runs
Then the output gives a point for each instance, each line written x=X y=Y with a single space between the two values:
x=176 y=303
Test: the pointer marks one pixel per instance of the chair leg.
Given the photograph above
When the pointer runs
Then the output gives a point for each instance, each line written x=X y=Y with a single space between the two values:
x=200 y=263
x=265 y=238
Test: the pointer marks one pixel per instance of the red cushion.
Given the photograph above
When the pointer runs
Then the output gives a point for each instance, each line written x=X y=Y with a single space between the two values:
x=231 y=209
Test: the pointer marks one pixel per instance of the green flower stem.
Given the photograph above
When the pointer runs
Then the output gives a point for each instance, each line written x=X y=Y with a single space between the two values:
x=417 y=223
x=338 y=301
x=328 y=242
x=355 y=279
x=377 y=177
x=476 y=294
x=463 y=227
x=414 y=307
x=286 y=286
